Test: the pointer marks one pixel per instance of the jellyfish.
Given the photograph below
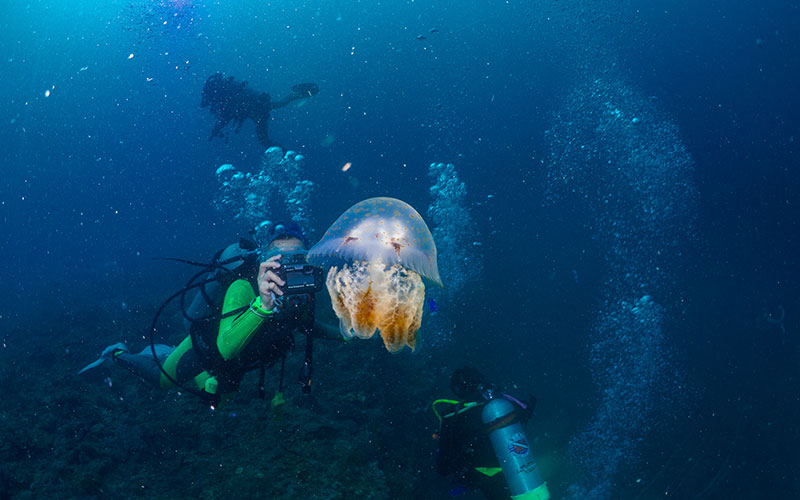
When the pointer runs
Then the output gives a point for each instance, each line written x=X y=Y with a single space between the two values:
x=378 y=252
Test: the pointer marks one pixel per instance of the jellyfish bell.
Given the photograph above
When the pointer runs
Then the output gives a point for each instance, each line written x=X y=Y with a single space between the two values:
x=379 y=229
x=378 y=252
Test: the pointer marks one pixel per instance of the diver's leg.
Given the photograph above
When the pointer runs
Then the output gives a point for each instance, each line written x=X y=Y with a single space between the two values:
x=142 y=365
x=217 y=131
x=294 y=96
x=262 y=132
x=285 y=101
x=301 y=91
x=180 y=363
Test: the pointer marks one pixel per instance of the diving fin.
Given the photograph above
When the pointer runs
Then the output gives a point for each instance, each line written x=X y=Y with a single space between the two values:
x=303 y=90
x=107 y=353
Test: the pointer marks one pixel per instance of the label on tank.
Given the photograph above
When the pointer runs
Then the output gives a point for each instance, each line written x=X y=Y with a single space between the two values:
x=518 y=445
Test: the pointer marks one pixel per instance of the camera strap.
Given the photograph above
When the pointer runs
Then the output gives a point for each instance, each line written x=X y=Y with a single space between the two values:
x=307 y=369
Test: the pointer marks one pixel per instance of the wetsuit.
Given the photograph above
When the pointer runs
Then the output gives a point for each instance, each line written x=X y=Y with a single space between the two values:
x=247 y=337
x=231 y=100
x=466 y=452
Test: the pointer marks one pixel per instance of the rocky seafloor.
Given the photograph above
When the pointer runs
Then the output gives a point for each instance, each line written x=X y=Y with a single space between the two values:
x=364 y=432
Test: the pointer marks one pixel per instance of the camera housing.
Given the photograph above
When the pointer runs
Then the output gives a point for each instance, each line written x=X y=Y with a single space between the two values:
x=299 y=275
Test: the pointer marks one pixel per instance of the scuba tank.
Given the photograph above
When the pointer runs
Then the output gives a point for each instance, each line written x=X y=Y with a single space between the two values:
x=513 y=450
x=209 y=294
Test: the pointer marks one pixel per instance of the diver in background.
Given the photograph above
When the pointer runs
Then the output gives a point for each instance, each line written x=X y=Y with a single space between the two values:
x=252 y=326
x=234 y=101
x=466 y=438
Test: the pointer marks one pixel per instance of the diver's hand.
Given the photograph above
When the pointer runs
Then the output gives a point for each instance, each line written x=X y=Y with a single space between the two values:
x=268 y=282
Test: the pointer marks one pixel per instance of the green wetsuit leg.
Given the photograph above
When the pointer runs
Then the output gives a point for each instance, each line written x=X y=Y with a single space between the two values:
x=182 y=365
x=140 y=365
x=235 y=332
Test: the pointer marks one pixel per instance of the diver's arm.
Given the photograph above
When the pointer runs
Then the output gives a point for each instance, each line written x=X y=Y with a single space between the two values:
x=236 y=332
x=524 y=410
x=530 y=406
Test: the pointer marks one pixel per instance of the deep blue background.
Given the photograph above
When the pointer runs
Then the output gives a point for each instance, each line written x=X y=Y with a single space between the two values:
x=115 y=166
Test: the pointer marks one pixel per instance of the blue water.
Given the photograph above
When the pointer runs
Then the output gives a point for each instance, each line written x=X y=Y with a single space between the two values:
x=562 y=119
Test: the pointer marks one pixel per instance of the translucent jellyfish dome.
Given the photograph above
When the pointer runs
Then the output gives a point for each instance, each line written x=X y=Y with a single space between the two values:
x=377 y=252
x=385 y=230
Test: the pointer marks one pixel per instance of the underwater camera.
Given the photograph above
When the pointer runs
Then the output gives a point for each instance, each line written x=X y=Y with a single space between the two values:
x=299 y=275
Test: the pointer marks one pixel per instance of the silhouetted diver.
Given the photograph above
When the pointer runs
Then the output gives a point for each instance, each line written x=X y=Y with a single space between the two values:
x=232 y=100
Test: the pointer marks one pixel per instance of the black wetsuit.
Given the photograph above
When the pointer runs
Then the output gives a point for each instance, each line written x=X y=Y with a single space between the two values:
x=231 y=100
x=251 y=343
x=466 y=452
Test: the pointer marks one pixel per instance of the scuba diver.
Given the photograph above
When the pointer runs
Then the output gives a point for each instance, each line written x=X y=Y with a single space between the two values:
x=243 y=317
x=482 y=435
x=233 y=100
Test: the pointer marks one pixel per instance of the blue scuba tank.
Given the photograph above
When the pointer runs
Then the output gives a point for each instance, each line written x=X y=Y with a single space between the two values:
x=513 y=451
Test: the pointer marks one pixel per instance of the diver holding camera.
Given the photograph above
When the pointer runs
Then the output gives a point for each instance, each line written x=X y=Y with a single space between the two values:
x=288 y=285
x=244 y=316
x=297 y=276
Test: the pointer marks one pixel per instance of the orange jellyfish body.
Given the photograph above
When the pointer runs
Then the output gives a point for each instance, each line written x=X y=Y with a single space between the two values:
x=378 y=252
